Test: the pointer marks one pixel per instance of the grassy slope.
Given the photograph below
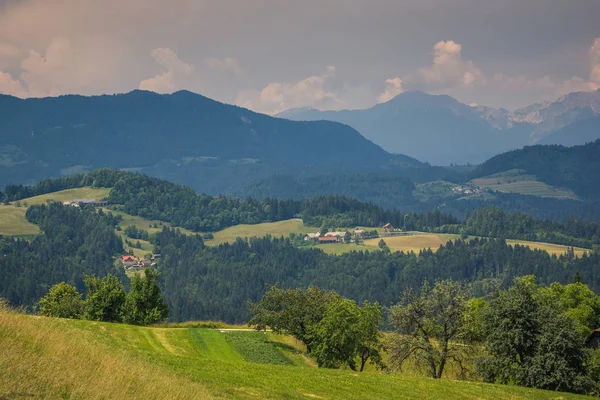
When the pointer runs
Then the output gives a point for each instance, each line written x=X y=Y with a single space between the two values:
x=140 y=223
x=514 y=181
x=280 y=228
x=13 y=222
x=69 y=195
x=12 y=218
x=53 y=358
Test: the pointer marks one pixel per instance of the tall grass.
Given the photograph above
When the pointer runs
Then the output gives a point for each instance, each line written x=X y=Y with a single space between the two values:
x=51 y=359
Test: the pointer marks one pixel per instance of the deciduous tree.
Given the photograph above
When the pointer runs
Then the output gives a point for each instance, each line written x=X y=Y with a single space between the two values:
x=144 y=302
x=104 y=298
x=430 y=326
x=62 y=301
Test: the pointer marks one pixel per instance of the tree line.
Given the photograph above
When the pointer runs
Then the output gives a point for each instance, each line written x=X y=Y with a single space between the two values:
x=524 y=334
x=215 y=282
x=106 y=300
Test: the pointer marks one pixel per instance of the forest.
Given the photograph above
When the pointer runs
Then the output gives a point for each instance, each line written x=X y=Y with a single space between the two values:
x=216 y=282
x=203 y=282
x=74 y=242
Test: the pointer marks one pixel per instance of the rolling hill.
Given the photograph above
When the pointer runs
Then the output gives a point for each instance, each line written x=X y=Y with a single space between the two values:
x=183 y=136
x=55 y=358
x=575 y=168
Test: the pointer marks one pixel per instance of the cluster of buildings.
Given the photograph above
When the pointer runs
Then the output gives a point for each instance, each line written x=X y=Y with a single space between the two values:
x=466 y=190
x=333 y=237
x=80 y=202
x=136 y=262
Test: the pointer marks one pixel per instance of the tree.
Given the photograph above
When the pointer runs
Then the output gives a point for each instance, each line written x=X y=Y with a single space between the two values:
x=369 y=344
x=104 y=299
x=347 y=237
x=62 y=301
x=293 y=312
x=383 y=246
x=144 y=302
x=347 y=332
x=532 y=342
x=578 y=301
x=431 y=326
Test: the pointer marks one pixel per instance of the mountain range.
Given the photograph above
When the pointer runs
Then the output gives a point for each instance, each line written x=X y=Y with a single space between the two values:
x=440 y=130
x=185 y=137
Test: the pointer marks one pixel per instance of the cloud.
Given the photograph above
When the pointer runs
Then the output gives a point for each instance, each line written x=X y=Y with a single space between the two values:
x=449 y=70
x=62 y=67
x=277 y=96
x=175 y=72
x=228 y=64
x=451 y=74
x=595 y=61
x=11 y=86
x=393 y=89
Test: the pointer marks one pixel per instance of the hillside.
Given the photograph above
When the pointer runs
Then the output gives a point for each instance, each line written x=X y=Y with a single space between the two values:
x=185 y=137
x=576 y=168
x=54 y=358
x=578 y=133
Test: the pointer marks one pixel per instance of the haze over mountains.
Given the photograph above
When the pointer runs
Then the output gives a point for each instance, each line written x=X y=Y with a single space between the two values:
x=440 y=130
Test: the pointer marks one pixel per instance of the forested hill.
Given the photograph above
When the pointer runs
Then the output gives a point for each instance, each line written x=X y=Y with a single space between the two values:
x=576 y=168
x=157 y=199
x=183 y=136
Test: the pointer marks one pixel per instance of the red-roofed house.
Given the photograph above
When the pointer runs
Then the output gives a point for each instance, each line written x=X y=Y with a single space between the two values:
x=128 y=261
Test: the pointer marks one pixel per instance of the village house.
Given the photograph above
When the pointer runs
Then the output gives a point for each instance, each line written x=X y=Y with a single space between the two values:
x=388 y=226
x=79 y=202
x=129 y=261
x=335 y=234
x=359 y=233
x=312 y=236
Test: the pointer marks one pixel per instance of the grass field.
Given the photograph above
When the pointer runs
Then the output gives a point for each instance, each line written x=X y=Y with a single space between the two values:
x=414 y=243
x=419 y=241
x=13 y=222
x=140 y=223
x=54 y=358
x=555 y=249
x=515 y=181
x=69 y=195
x=280 y=228
x=12 y=218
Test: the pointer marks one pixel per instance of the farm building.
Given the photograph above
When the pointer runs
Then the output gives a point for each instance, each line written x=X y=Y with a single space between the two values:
x=93 y=202
x=335 y=234
x=312 y=236
x=129 y=261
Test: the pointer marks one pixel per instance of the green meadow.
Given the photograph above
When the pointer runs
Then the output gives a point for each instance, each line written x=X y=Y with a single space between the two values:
x=56 y=358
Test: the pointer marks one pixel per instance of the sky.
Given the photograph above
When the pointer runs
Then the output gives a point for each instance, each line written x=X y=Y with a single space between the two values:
x=272 y=55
